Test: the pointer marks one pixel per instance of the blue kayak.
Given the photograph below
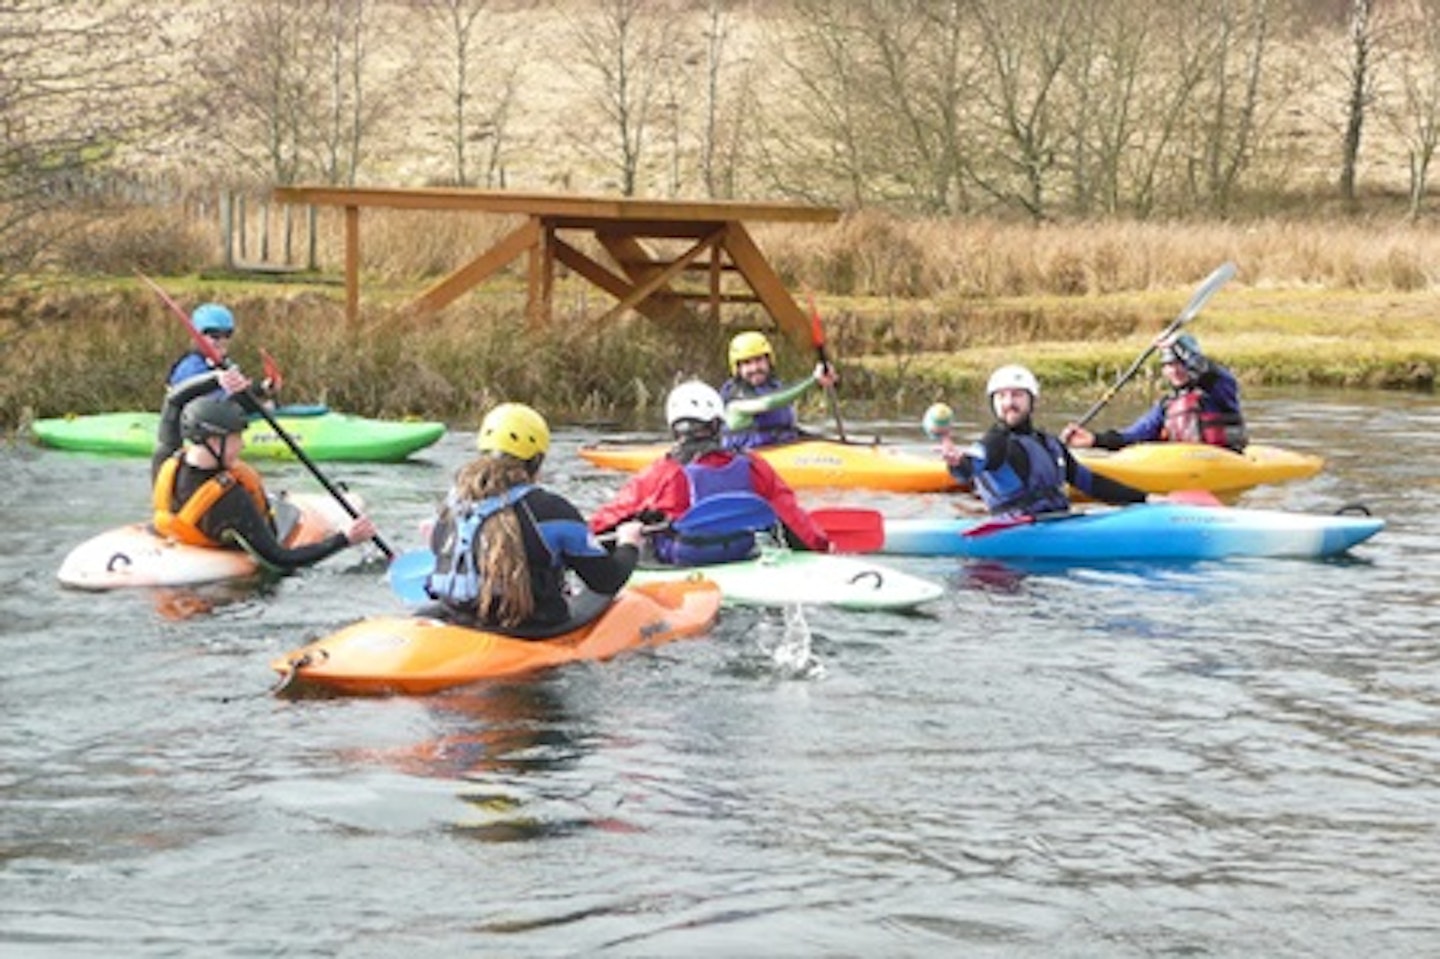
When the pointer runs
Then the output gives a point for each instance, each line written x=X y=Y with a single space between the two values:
x=1160 y=531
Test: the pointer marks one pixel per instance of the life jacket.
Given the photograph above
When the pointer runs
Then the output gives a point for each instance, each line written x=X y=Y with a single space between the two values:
x=1006 y=492
x=767 y=428
x=1188 y=421
x=707 y=481
x=457 y=577
x=183 y=525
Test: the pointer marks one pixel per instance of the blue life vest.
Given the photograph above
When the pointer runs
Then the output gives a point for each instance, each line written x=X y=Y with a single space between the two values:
x=1043 y=491
x=707 y=481
x=456 y=579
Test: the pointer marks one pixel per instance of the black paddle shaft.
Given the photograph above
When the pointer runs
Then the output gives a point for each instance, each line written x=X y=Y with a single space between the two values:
x=1207 y=289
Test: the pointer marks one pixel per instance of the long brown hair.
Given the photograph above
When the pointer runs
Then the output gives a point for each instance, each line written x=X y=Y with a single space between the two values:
x=506 y=598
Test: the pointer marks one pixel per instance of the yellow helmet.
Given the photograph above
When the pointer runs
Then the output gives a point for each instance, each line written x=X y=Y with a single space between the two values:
x=747 y=346
x=513 y=428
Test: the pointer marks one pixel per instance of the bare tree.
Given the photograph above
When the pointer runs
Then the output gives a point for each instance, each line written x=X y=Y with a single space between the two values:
x=477 y=86
x=1025 y=45
x=353 y=109
x=1416 y=117
x=1359 y=93
x=72 y=95
x=881 y=117
x=626 y=47
x=260 y=72
x=716 y=35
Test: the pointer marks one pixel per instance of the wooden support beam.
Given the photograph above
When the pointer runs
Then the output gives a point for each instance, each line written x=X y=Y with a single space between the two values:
x=522 y=238
x=659 y=279
x=352 y=263
x=766 y=283
x=602 y=277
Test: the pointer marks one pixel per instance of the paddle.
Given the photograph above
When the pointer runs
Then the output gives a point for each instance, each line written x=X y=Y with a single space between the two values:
x=1194 y=497
x=1191 y=497
x=715 y=516
x=203 y=344
x=1207 y=289
x=851 y=529
x=817 y=336
x=272 y=371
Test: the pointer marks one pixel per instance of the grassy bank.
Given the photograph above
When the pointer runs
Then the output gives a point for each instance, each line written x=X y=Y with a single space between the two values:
x=915 y=310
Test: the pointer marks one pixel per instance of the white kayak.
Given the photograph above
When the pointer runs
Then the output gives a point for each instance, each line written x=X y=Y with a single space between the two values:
x=779 y=577
x=135 y=555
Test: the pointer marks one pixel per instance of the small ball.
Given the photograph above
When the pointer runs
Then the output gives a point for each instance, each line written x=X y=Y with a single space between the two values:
x=939 y=419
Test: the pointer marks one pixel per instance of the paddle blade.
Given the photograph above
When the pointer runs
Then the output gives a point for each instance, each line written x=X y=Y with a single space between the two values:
x=817 y=332
x=997 y=525
x=1194 y=497
x=272 y=370
x=408 y=574
x=851 y=529
x=726 y=513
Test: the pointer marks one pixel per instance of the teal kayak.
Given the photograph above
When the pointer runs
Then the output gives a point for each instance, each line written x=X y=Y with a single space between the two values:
x=1158 y=531
x=320 y=432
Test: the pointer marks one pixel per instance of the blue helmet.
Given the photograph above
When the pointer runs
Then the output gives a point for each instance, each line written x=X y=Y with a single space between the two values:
x=213 y=318
x=1184 y=350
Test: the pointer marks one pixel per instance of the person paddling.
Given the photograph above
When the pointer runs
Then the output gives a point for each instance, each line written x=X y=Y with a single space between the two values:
x=502 y=543
x=699 y=466
x=1203 y=406
x=205 y=495
x=759 y=408
x=1017 y=469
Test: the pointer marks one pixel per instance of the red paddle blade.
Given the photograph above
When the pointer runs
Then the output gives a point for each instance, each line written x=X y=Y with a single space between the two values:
x=996 y=525
x=201 y=341
x=272 y=370
x=1194 y=497
x=851 y=529
x=817 y=332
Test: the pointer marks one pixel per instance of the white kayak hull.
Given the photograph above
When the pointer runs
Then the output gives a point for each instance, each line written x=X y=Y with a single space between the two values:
x=780 y=577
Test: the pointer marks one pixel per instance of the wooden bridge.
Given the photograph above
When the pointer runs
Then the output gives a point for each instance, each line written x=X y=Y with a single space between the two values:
x=639 y=277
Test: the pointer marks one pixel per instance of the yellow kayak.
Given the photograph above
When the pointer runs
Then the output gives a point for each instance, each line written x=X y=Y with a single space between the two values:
x=1167 y=467
x=811 y=464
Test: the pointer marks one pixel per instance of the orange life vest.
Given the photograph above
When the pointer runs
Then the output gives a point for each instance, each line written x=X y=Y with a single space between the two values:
x=183 y=524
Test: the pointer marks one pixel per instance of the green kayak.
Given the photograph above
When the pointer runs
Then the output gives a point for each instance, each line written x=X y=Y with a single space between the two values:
x=322 y=434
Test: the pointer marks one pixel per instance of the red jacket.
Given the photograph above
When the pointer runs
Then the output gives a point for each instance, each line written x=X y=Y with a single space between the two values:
x=663 y=487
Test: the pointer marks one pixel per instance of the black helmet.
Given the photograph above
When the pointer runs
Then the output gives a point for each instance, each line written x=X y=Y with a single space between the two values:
x=210 y=416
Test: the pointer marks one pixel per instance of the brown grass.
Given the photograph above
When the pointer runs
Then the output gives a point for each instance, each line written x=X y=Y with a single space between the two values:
x=915 y=308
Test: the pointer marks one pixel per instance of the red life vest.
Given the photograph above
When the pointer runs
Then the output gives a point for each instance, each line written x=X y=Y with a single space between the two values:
x=183 y=524
x=1187 y=421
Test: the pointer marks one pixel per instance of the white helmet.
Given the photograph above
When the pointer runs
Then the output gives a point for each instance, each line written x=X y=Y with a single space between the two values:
x=1013 y=378
x=694 y=400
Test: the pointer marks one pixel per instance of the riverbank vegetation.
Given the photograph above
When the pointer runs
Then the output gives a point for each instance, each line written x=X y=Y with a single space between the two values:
x=914 y=309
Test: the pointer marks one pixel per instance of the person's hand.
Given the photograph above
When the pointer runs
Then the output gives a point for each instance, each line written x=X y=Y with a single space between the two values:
x=630 y=533
x=951 y=453
x=1076 y=435
x=360 y=529
x=232 y=381
x=826 y=375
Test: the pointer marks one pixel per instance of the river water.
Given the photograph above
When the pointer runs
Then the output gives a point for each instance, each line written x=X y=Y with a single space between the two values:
x=1231 y=759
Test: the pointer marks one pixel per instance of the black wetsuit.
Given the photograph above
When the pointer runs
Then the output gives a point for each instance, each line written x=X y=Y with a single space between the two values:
x=234 y=513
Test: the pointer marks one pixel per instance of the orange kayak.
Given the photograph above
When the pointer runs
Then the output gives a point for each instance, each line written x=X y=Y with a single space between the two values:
x=408 y=654
x=812 y=464
x=1167 y=467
